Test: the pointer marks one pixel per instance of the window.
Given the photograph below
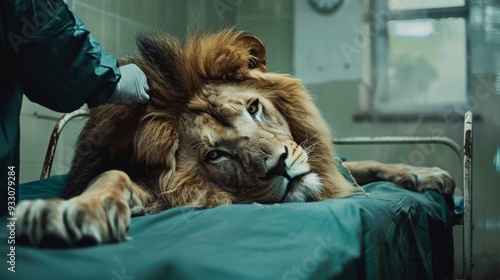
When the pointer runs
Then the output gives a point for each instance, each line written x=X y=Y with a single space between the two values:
x=419 y=55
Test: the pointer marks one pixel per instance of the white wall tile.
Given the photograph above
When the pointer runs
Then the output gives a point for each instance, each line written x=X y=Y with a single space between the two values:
x=31 y=108
x=35 y=135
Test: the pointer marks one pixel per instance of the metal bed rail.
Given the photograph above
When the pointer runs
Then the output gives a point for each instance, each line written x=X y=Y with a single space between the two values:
x=467 y=177
x=54 y=138
x=464 y=154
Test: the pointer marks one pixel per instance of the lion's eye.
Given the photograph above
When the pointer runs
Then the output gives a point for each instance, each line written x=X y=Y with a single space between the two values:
x=215 y=156
x=253 y=108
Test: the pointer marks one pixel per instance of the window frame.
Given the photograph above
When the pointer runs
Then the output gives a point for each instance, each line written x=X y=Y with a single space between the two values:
x=378 y=18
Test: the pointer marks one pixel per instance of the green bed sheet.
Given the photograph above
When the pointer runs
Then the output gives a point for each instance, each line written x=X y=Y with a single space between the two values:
x=390 y=234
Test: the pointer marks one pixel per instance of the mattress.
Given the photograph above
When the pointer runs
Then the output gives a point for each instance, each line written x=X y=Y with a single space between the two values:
x=391 y=233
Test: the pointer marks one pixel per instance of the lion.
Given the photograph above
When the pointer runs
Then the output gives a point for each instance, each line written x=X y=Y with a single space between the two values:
x=218 y=130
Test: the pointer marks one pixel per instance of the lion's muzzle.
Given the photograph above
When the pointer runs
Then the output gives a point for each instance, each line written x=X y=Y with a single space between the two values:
x=279 y=169
x=286 y=166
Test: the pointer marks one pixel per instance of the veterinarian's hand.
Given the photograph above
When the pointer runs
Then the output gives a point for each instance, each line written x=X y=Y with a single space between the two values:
x=132 y=87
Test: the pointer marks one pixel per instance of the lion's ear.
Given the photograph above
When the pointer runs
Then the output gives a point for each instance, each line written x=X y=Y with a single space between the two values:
x=164 y=58
x=257 y=52
x=160 y=49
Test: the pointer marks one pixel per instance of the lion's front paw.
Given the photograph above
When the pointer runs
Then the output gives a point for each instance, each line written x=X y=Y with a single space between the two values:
x=423 y=178
x=76 y=222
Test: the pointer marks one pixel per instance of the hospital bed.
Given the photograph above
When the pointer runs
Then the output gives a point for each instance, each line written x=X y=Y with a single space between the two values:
x=392 y=233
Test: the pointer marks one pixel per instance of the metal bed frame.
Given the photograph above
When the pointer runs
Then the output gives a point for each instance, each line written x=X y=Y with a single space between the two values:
x=463 y=153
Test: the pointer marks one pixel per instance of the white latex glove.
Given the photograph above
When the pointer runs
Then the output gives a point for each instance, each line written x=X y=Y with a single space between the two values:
x=132 y=86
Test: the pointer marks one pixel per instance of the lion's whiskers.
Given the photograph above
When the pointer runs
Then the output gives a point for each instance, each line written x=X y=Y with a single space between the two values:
x=304 y=143
x=196 y=144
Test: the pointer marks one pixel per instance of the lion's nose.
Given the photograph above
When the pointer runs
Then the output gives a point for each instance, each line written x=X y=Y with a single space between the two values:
x=279 y=169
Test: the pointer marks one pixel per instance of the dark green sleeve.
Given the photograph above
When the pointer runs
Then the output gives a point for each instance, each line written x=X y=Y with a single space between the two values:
x=61 y=65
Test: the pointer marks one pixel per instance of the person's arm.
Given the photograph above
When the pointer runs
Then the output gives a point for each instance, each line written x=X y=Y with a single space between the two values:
x=61 y=65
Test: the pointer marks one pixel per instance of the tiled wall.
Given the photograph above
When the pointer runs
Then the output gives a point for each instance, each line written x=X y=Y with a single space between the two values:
x=116 y=22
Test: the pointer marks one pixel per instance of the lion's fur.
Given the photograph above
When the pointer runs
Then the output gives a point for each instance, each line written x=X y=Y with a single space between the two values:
x=143 y=140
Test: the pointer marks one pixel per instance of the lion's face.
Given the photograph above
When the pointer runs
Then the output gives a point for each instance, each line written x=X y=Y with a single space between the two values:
x=234 y=139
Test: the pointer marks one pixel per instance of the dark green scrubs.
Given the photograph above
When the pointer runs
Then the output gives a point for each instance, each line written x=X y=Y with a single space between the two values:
x=47 y=54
